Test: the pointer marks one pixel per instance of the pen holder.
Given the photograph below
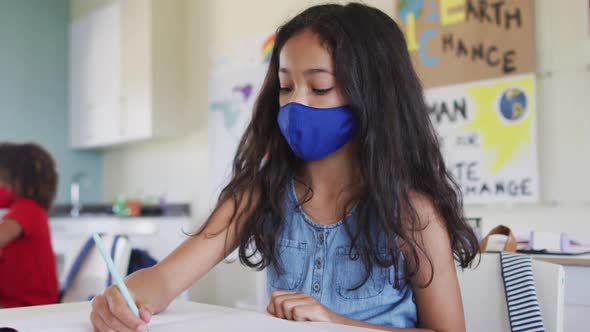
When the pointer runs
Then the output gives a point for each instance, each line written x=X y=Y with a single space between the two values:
x=551 y=242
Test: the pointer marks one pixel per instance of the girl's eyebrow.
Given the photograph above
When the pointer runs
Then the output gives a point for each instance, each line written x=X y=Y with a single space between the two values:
x=307 y=72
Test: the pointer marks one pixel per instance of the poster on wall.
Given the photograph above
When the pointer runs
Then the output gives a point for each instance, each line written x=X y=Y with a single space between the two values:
x=487 y=131
x=236 y=77
x=475 y=59
x=456 y=41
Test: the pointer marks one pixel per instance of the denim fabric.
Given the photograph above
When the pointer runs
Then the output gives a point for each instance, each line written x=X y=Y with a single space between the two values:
x=316 y=261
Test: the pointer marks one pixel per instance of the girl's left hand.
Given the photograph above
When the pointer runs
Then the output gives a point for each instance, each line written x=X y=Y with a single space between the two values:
x=299 y=307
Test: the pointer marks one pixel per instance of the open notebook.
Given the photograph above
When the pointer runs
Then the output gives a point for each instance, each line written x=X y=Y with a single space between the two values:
x=180 y=316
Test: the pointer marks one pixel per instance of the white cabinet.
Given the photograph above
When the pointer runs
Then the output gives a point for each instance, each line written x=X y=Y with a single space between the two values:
x=158 y=235
x=127 y=72
x=577 y=298
x=577 y=289
x=95 y=78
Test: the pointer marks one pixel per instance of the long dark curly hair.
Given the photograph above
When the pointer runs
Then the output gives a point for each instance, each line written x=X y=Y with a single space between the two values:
x=29 y=171
x=397 y=149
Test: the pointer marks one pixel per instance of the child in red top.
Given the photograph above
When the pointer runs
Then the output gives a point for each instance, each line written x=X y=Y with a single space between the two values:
x=28 y=182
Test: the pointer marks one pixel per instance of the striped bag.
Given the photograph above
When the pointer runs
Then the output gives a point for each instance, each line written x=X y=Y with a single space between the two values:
x=524 y=310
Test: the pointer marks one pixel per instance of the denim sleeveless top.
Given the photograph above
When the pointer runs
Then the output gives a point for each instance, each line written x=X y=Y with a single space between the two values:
x=316 y=261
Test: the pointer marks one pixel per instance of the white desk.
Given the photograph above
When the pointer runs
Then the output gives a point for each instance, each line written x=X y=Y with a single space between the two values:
x=567 y=260
x=577 y=289
x=180 y=316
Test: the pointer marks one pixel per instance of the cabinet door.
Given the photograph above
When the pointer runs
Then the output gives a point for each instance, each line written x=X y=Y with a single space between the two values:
x=79 y=82
x=136 y=74
x=95 y=79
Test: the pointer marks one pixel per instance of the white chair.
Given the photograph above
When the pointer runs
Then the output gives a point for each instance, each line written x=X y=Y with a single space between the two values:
x=92 y=275
x=484 y=300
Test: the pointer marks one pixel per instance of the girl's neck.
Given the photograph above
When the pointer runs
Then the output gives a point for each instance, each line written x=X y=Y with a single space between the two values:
x=334 y=174
x=334 y=181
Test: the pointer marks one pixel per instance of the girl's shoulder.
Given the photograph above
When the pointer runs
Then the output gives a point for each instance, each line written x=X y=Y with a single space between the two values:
x=424 y=208
x=425 y=221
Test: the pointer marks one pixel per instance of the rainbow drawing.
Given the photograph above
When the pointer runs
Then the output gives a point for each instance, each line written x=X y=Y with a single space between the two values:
x=269 y=43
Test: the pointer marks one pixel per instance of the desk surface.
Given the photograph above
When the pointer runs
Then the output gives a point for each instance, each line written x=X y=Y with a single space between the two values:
x=180 y=316
x=569 y=260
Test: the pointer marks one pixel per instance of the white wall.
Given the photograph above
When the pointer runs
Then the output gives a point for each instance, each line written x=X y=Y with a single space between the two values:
x=563 y=95
x=179 y=167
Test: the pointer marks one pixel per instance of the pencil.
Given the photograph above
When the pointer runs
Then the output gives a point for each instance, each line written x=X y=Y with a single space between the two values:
x=118 y=280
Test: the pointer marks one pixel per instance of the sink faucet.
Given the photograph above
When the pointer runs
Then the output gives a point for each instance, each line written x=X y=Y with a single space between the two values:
x=75 y=184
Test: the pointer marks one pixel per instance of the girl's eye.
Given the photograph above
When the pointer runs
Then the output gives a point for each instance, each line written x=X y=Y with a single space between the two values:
x=322 y=91
x=285 y=89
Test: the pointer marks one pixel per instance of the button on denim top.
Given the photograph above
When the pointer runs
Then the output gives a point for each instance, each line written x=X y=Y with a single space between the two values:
x=316 y=261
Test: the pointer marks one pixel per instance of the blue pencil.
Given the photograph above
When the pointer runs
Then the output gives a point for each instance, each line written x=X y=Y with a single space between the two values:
x=118 y=280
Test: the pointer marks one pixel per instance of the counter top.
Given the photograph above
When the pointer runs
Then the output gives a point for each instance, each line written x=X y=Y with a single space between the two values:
x=569 y=260
x=100 y=209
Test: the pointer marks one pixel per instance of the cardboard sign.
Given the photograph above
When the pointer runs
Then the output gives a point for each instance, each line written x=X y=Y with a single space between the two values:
x=455 y=41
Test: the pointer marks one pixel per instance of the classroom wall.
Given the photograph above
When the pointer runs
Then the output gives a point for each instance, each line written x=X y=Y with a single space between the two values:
x=179 y=166
x=34 y=86
x=562 y=37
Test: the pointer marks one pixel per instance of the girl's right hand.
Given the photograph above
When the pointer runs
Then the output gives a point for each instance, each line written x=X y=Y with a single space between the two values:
x=110 y=312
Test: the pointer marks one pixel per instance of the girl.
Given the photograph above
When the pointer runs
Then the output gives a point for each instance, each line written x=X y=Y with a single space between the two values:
x=353 y=212
x=28 y=183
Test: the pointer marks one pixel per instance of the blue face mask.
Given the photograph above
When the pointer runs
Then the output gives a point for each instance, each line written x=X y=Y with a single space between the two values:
x=315 y=133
